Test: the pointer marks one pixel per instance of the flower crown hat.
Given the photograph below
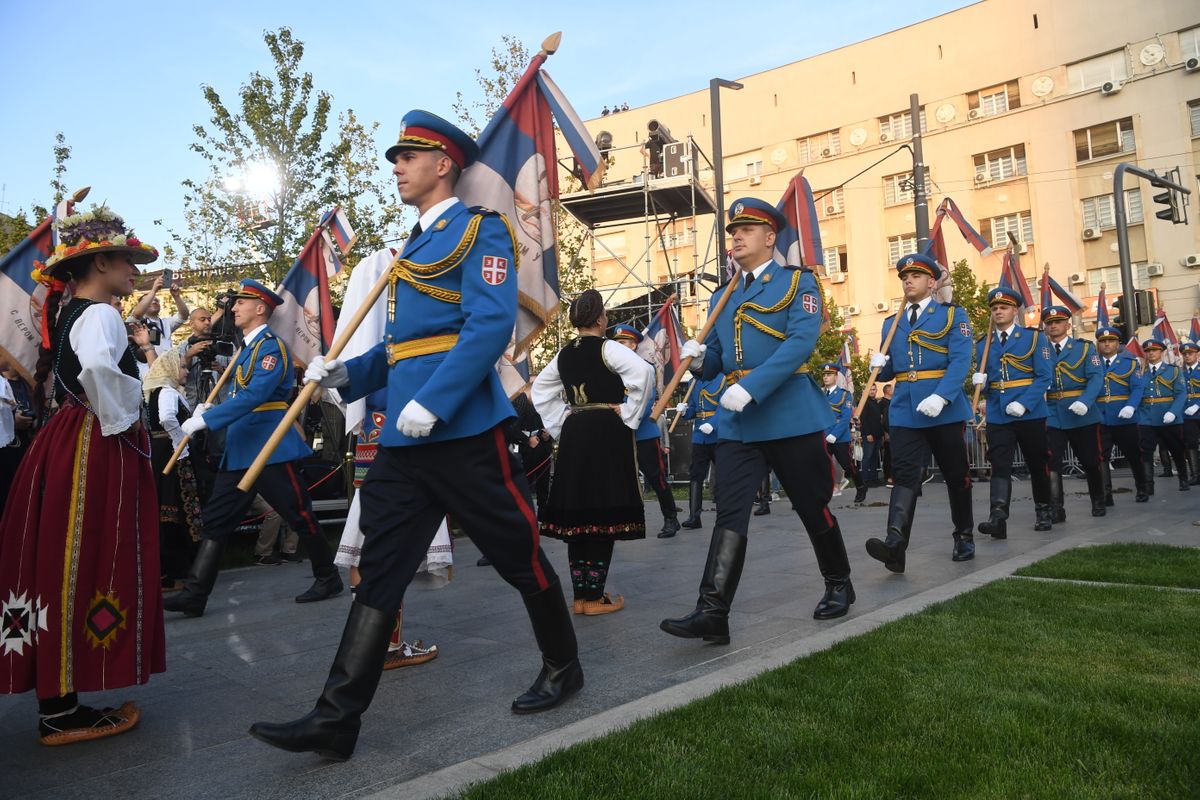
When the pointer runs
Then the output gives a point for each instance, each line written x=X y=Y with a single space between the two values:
x=96 y=231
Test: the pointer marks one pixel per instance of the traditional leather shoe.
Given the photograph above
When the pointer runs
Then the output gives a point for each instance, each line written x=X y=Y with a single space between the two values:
x=577 y=606
x=605 y=605
x=410 y=655
x=964 y=547
x=700 y=624
x=670 y=528
x=322 y=589
x=86 y=724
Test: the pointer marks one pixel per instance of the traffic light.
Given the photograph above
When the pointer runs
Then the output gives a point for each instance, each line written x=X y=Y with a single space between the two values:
x=1118 y=319
x=1143 y=307
x=1170 y=199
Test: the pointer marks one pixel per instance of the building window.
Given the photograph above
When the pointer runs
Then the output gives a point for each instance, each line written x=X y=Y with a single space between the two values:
x=1194 y=116
x=823 y=145
x=1111 y=278
x=1098 y=211
x=1000 y=165
x=753 y=168
x=901 y=246
x=836 y=261
x=996 y=99
x=1105 y=139
x=899 y=188
x=1189 y=43
x=996 y=229
x=898 y=126
x=1095 y=72
x=831 y=203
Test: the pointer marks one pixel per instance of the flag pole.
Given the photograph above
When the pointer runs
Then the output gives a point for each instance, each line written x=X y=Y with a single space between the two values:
x=306 y=393
x=686 y=363
x=212 y=396
x=19 y=367
x=691 y=385
x=887 y=345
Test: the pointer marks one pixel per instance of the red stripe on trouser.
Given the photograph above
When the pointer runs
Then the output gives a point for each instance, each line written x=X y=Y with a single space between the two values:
x=662 y=468
x=522 y=506
x=1100 y=447
x=832 y=484
x=304 y=514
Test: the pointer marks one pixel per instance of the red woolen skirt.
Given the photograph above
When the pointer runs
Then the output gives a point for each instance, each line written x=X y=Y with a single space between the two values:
x=79 y=575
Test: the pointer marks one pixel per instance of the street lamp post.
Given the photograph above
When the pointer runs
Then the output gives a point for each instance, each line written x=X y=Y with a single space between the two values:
x=714 y=97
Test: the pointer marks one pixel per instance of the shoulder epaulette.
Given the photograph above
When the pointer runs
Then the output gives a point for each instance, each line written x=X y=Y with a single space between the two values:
x=484 y=210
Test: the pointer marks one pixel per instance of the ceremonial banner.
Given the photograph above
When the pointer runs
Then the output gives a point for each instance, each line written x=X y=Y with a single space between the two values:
x=305 y=320
x=1051 y=287
x=1011 y=277
x=799 y=244
x=1102 y=309
x=662 y=341
x=1162 y=330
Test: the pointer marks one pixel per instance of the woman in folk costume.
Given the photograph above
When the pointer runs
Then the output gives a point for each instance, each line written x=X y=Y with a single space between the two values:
x=365 y=419
x=591 y=397
x=179 y=522
x=79 y=538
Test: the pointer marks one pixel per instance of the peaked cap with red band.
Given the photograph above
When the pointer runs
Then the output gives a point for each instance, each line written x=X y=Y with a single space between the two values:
x=420 y=130
x=253 y=290
x=752 y=211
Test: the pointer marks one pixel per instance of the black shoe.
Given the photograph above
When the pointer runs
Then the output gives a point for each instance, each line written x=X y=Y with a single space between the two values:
x=764 y=508
x=722 y=573
x=860 y=495
x=269 y=560
x=1148 y=478
x=700 y=624
x=561 y=675
x=996 y=526
x=670 y=528
x=1095 y=482
x=322 y=589
x=483 y=561
x=331 y=729
x=199 y=583
x=1057 y=509
x=291 y=558
x=1045 y=517
x=900 y=514
x=692 y=523
x=1183 y=483
x=695 y=504
x=830 y=550
x=964 y=547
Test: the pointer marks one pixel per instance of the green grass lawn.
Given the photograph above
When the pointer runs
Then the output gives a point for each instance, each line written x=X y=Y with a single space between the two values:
x=1018 y=689
x=1145 y=564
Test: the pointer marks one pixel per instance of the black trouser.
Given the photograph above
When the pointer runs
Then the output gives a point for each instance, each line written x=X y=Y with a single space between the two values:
x=703 y=456
x=1084 y=441
x=912 y=447
x=282 y=486
x=590 y=562
x=1126 y=438
x=1191 y=432
x=650 y=462
x=1168 y=436
x=538 y=461
x=870 y=460
x=1003 y=440
x=841 y=453
x=802 y=465
x=475 y=480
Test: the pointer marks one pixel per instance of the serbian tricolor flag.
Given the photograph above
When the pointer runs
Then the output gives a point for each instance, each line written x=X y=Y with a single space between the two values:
x=1011 y=277
x=1102 y=309
x=1162 y=330
x=1066 y=297
x=1134 y=348
x=1195 y=337
x=844 y=378
x=517 y=175
x=662 y=341
x=337 y=228
x=305 y=320
x=799 y=244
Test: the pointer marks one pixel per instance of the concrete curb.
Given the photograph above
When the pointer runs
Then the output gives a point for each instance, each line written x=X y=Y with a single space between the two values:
x=456 y=778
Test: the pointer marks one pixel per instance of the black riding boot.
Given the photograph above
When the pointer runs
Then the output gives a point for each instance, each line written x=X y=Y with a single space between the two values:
x=830 y=550
x=963 y=519
x=1148 y=471
x=1181 y=468
x=695 y=504
x=1095 y=482
x=561 y=674
x=710 y=620
x=200 y=580
x=1106 y=475
x=764 y=497
x=900 y=516
x=327 y=582
x=1056 y=498
x=331 y=729
x=996 y=526
x=1193 y=462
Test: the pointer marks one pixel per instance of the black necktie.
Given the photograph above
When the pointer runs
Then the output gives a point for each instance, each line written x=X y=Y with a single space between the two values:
x=749 y=280
x=912 y=314
x=1058 y=348
x=1003 y=338
x=416 y=231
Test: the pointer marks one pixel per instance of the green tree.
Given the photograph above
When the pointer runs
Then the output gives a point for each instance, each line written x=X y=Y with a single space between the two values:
x=62 y=154
x=971 y=295
x=15 y=227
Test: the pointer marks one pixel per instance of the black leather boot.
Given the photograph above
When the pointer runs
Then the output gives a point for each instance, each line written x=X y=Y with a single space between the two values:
x=695 y=504
x=1106 y=476
x=331 y=729
x=1181 y=469
x=900 y=516
x=670 y=527
x=860 y=493
x=1139 y=483
x=1148 y=471
x=1193 y=462
x=1044 y=516
x=964 y=523
x=198 y=585
x=561 y=674
x=327 y=582
x=710 y=620
x=1057 y=508
x=996 y=526
x=830 y=550
x=1095 y=482
x=764 y=505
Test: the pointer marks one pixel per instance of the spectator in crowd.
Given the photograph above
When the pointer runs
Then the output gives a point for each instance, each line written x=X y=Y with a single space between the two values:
x=147 y=312
x=269 y=535
x=884 y=406
x=16 y=423
x=871 y=428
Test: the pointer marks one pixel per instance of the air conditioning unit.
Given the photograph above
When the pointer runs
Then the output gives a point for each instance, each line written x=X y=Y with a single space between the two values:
x=853 y=311
x=883 y=137
x=755 y=180
x=1091 y=234
x=974 y=113
x=1110 y=87
x=1078 y=278
x=838 y=278
x=1191 y=261
x=1154 y=270
x=1192 y=65
x=826 y=153
x=830 y=210
x=982 y=179
x=881 y=306
x=1022 y=248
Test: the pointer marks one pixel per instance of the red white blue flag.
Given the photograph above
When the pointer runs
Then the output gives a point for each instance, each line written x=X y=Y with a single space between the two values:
x=338 y=228
x=305 y=320
x=1011 y=277
x=662 y=341
x=1134 y=348
x=799 y=244
x=1195 y=337
x=1102 y=309
x=1066 y=297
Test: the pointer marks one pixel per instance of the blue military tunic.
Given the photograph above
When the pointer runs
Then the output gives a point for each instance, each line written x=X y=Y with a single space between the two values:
x=1078 y=377
x=761 y=340
x=1019 y=371
x=703 y=406
x=449 y=321
x=1123 y=385
x=842 y=406
x=1163 y=392
x=648 y=429
x=931 y=357
x=262 y=387
x=1191 y=378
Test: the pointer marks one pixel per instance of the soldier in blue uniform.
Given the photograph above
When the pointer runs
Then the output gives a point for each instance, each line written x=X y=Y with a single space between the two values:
x=451 y=310
x=837 y=435
x=701 y=407
x=1160 y=422
x=1015 y=377
x=930 y=358
x=1119 y=400
x=1073 y=414
x=263 y=382
x=649 y=444
x=1191 y=407
x=772 y=416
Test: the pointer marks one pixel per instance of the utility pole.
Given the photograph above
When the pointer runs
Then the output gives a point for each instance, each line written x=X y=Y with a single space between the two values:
x=714 y=97
x=920 y=201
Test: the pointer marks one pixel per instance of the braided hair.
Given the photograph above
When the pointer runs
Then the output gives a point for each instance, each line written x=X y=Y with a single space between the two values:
x=74 y=270
x=587 y=309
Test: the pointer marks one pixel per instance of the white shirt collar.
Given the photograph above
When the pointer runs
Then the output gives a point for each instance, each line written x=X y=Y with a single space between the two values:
x=431 y=216
x=253 y=334
x=921 y=306
x=1063 y=343
x=1009 y=330
x=758 y=271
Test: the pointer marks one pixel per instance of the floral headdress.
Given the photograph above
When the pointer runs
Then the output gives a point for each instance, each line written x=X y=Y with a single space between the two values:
x=96 y=231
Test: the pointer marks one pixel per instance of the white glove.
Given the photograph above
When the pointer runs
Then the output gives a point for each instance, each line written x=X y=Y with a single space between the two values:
x=692 y=349
x=1077 y=408
x=735 y=398
x=979 y=379
x=330 y=374
x=193 y=425
x=1126 y=412
x=203 y=408
x=416 y=420
x=1192 y=409
x=878 y=360
x=1168 y=418
x=681 y=408
x=931 y=406
x=831 y=439
x=1014 y=409
x=706 y=428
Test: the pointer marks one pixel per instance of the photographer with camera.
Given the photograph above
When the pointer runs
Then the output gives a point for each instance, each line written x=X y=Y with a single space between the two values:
x=147 y=309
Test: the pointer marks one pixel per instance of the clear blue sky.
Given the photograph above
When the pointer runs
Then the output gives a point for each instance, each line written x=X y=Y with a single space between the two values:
x=122 y=79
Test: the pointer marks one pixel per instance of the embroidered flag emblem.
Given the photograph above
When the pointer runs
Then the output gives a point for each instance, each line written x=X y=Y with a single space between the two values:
x=809 y=303
x=965 y=329
x=268 y=363
x=495 y=269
